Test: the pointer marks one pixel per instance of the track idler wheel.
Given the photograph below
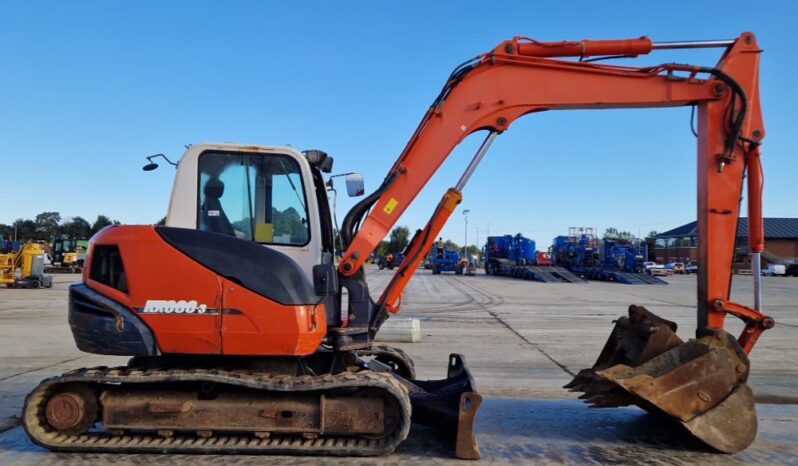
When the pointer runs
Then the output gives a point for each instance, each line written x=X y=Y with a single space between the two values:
x=72 y=410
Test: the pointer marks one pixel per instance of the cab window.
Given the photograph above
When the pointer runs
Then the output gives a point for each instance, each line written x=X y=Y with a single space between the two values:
x=259 y=197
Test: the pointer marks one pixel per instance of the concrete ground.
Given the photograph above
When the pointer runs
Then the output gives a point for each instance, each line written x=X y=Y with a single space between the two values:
x=522 y=340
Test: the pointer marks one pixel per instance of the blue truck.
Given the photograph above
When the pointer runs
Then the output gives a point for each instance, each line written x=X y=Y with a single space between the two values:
x=517 y=256
x=440 y=259
x=390 y=261
x=584 y=254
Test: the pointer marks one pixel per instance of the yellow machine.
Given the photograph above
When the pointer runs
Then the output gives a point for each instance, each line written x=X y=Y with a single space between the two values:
x=66 y=256
x=24 y=268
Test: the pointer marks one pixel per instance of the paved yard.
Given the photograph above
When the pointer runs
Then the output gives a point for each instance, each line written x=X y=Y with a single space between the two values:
x=523 y=340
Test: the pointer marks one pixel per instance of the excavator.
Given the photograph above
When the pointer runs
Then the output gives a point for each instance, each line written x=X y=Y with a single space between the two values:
x=66 y=255
x=249 y=338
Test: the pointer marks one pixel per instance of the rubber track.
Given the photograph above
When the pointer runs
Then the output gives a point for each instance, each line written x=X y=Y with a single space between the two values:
x=338 y=445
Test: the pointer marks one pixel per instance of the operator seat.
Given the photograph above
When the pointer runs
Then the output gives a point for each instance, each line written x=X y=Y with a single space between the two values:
x=213 y=216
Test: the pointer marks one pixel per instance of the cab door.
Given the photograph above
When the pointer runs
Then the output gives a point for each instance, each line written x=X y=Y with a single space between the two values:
x=264 y=197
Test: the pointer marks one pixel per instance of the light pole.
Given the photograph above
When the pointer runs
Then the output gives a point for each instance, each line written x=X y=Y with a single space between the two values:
x=478 y=248
x=465 y=246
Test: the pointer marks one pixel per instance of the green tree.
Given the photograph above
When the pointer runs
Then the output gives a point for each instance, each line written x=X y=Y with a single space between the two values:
x=26 y=229
x=382 y=249
x=651 y=243
x=620 y=236
x=398 y=239
x=76 y=227
x=6 y=231
x=289 y=222
x=47 y=225
x=472 y=250
x=452 y=246
x=102 y=222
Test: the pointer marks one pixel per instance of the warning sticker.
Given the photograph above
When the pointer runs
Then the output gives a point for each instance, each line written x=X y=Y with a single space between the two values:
x=390 y=206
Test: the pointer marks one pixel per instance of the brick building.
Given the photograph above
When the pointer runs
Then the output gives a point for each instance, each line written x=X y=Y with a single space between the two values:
x=781 y=243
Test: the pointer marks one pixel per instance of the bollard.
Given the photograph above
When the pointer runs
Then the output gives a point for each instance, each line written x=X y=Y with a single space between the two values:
x=400 y=330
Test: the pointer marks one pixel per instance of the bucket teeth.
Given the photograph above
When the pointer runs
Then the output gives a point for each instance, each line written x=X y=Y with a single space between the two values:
x=700 y=384
x=634 y=340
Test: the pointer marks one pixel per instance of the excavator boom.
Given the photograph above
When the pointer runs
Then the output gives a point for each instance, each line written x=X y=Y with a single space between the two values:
x=523 y=76
x=520 y=77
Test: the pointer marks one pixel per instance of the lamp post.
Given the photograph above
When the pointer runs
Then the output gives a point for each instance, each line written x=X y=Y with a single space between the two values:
x=478 y=248
x=465 y=246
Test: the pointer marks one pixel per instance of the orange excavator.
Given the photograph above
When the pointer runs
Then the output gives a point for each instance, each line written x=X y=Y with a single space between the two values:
x=242 y=339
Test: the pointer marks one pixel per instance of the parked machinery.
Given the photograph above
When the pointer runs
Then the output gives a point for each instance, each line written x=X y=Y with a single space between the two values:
x=442 y=259
x=516 y=256
x=623 y=262
x=24 y=268
x=578 y=251
x=67 y=255
x=585 y=255
x=390 y=261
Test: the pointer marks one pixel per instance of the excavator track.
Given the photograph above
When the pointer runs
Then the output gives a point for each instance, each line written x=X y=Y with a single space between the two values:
x=122 y=379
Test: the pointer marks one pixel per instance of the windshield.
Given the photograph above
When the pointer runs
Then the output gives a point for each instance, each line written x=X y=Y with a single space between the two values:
x=259 y=197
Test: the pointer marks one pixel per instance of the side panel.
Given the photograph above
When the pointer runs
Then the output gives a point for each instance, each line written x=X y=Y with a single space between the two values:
x=254 y=325
x=184 y=298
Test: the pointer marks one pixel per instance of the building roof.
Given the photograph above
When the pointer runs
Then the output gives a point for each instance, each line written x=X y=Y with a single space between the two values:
x=775 y=228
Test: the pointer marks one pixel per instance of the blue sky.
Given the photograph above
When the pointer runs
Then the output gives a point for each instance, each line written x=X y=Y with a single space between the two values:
x=90 y=88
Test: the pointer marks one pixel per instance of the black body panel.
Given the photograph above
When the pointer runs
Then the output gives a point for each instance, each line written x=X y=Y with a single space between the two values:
x=103 y=326
x=257 y=268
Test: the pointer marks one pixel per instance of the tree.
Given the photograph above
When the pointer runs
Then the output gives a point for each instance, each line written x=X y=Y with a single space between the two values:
x=47 y=225
x=382 y=249
x=6 y=231
x=77 y=227
x=26 y=229
x=651 y=243
x=451 y=245
x=399 y=238
x=620 y=236
x=102 y=222
x=472 y=250
x=289 y=222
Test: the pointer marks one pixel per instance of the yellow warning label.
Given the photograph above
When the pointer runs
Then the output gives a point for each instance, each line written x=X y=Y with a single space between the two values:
x=390 y=206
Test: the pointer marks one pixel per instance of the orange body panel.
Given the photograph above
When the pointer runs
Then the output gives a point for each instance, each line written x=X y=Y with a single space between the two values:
x=236 y=321
x=251 y=326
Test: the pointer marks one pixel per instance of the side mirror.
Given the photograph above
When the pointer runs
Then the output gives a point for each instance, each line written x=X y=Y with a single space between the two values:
x=354 y=184
x=152 y=165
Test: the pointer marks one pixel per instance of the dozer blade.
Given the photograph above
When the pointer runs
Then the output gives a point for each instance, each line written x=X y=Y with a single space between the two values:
x=700 y=384
x=450 y=404
x=633 y=341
